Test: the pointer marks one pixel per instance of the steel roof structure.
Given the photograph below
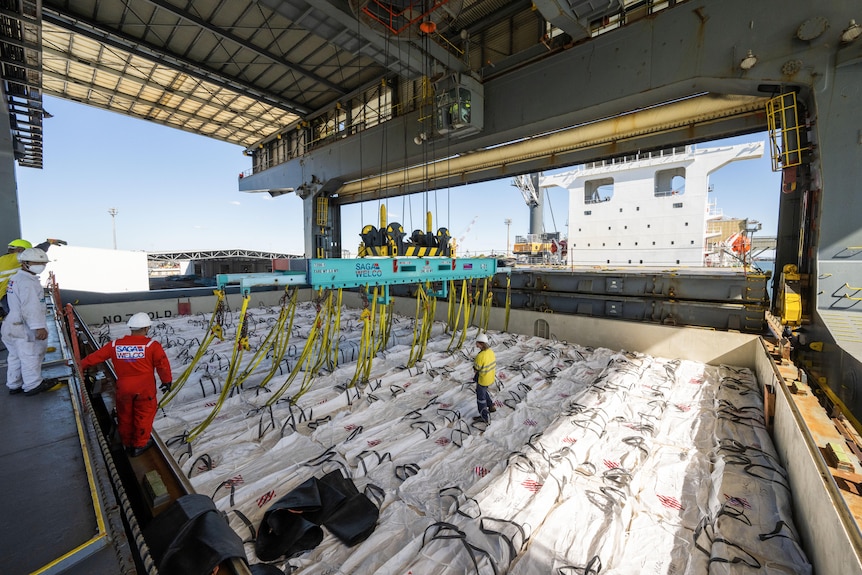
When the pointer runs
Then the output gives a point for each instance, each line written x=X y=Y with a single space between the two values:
x=239 y=70
x=200 y=255
x=242 y=70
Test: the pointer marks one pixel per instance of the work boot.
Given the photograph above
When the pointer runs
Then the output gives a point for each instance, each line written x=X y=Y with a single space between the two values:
x=44 y=386
x=139 y=450
x=50 y=383
x=16 y=390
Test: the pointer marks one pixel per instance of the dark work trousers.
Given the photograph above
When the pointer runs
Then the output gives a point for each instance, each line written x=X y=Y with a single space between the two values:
x=483 y=402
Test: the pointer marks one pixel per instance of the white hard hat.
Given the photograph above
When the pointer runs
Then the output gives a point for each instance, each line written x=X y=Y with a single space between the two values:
x=482 y=338
x=33 y=255
x=140 y=320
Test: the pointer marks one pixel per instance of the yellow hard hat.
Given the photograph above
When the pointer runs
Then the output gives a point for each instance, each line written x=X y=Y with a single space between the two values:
x=19 y=243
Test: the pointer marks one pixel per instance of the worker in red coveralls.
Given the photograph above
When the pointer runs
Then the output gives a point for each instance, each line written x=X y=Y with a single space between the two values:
x=135 y=358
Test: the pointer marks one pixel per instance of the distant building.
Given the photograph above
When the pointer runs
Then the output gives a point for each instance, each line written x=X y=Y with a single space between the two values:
x=199 y=268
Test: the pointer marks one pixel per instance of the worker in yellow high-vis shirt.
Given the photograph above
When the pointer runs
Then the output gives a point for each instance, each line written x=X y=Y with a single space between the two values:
x=485 y=368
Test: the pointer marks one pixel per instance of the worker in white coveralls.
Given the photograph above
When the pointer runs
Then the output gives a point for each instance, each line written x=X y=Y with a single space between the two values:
x=9 y=263
x=24 y=330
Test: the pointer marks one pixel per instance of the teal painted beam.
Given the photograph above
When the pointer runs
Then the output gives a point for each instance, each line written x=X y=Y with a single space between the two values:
x=347 y=273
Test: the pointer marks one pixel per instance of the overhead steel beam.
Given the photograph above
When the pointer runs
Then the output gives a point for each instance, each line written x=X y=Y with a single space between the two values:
x=565 y=16
x=495 y=18
x=137 y=47
x=400 y=57
x=661 y=119
x=695 y=47
x=250 y=134
x=108 y=93
x=221 y=33
x=18 y=64
x=387 y=54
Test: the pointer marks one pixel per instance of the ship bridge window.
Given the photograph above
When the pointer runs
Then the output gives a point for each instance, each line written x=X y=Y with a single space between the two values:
x=588 y=213
x=597 y=191
x=670 y=182
x=678 y=205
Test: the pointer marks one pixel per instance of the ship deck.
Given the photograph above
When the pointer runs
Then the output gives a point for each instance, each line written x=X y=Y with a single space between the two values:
x=60 y=512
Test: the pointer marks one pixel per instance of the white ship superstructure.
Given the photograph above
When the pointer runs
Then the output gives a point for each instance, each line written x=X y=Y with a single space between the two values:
x=649 y=209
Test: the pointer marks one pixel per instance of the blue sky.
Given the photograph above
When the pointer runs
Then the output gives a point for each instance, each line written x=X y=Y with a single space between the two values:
x=176 y=191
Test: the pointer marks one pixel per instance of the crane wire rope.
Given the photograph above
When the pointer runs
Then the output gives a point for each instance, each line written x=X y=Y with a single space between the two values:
x=361 y=130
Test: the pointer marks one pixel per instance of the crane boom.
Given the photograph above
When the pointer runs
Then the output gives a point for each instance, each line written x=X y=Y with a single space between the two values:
x=467 y=230
x=524 y=183
x=457 y=243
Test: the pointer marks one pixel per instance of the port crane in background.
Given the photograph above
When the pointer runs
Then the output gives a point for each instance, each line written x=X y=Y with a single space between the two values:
x=538 y=246
x=456 y=243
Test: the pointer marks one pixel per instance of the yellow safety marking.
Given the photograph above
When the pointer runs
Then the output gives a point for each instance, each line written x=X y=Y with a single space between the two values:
x=305 y=358
x=781 y=146
x=835 y=401
x=236 y=359
x=72 y=553
x=94 y=495
x=214 y=330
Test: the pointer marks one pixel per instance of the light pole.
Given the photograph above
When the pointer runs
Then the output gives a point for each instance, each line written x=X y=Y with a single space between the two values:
x=508 y=222
x=113 y=212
